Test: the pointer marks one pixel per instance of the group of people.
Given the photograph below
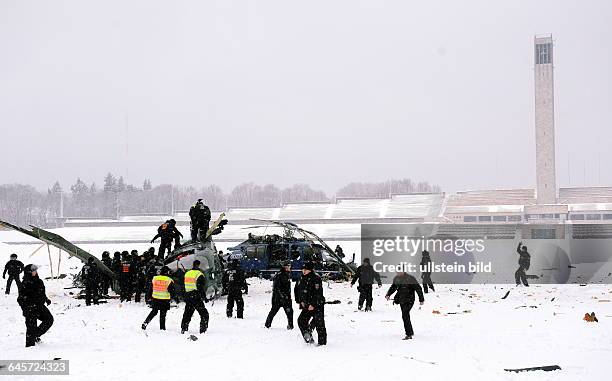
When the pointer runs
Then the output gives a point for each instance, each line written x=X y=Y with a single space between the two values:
x=138 y=274
x=168 y=233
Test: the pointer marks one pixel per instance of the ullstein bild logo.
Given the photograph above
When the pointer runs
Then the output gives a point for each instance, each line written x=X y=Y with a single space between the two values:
x=490 y=253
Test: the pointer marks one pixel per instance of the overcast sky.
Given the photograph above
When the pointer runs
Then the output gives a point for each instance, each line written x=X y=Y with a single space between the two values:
x=280 y=91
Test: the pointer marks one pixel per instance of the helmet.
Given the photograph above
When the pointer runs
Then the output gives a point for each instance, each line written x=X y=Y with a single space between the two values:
x=13 y=256
x=164 y=270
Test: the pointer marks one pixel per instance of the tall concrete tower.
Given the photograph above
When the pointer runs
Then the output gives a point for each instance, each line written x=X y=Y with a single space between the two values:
x=545 y=120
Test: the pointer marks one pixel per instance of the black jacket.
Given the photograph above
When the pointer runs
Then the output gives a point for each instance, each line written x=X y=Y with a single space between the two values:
x=425 y=259
x=281 y=287
x=366 y=276
x=90 y=274
x=126 y=270
x=235 y=281
x=108 y=263
x=309 y=290
x=199 y=213
x=524 y=257
x=32 y=292
x=167 y=232
x=405 y=285
x=13 y=267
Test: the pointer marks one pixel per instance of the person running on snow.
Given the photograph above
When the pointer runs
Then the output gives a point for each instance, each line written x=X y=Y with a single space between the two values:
x=281 y=295
x=32 y=299
x=235 y=282
x=309 y=295
x=366 y=276
x=13 y=267
x=426 y=275
x=524 y=263
x=91 y=278
x=161 y=290
x=405 y=285
x=195 y=296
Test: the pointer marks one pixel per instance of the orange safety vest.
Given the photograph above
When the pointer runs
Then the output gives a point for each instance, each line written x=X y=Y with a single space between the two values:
x=160 y=287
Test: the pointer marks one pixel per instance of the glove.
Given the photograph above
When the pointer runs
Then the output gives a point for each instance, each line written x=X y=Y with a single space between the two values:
x=48 y=301
x=246 y=291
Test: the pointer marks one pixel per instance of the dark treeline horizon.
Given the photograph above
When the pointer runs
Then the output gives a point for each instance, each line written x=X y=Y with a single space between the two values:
x=23 y=204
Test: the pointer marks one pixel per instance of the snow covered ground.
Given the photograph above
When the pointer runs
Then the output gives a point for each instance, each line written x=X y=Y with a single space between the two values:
x=527 y=329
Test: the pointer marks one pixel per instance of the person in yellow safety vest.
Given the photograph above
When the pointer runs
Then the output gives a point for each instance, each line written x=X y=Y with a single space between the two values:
x=161 y=290
x=195 y=295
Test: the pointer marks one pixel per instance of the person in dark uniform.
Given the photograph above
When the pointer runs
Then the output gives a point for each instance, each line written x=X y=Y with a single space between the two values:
x=166 y=232
x=90 y=276
x=524 y=263
x=175 y=233
x=32 y=299
x=116 y=263
x=404 y=286
x=309 y=295
x=281 y=295
x=195 y=295
x=13 y=267
x=161 y=290
x=339 y=252
x=366 y=275
x=235 y=282
x=105 y=280
x=425 y=274
x=200 y=220
x=140 y=275
x=126 y=277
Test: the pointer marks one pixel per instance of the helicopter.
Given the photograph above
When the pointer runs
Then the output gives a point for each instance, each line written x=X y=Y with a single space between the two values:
x=263 y=255
x=179 y=261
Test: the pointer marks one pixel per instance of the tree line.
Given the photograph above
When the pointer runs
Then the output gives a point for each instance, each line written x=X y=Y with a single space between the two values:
x=24 y=204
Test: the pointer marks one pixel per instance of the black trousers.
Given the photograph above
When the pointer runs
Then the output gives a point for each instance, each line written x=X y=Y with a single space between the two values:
x=194 y=303
x=521 y=276
x=198 y=230
x=365 y=295
x=126 y=289
x=32 y=314
x=235 y=297
x=140 y=288
x=105 y=285
x=161 y=306
x=10 y=280
x=276 y=306
x=406 y=307
x=309 y=320
x=427 y=283
x=91 y=293
x=166 y=244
